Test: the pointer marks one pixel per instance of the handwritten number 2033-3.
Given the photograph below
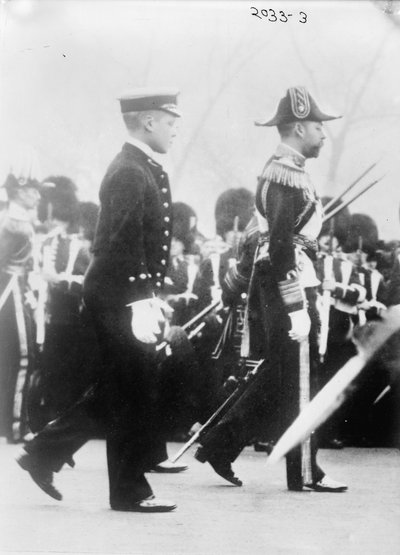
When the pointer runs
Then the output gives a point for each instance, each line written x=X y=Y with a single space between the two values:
x=273 y=15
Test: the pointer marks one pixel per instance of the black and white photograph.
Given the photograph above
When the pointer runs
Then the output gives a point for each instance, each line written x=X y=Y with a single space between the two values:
x=199 y=277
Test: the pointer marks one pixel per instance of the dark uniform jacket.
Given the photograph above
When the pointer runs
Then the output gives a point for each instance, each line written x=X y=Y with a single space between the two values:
x=281 y=276
x=287 y=201
x=132 y=242
x=289 y=209
x=65 y=297
x=393 y=292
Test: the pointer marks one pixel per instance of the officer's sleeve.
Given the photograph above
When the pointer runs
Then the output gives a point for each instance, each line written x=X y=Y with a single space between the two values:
x=352 y=293
x=237 y=278
x=281 y=202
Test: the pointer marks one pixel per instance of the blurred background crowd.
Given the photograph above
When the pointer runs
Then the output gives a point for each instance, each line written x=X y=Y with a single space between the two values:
x=48 y=347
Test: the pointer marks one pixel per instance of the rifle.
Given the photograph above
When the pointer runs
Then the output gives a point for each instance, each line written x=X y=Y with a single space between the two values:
x=325 y=310
x=196 y=323
x=346 y=203
x=362 y=319
x=240 y=389
x=236 y=237
x=335 y=200
x=326 y=299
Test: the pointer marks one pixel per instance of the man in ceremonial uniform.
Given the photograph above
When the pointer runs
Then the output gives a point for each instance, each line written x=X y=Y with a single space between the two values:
x=16 y=243
x=131 y=249
x=282 y=316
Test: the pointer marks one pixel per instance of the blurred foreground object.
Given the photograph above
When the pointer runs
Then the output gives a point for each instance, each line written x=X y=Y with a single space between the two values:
x=370 y=339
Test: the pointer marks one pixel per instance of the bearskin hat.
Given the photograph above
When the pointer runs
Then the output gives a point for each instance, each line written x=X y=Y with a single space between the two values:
x=362 y=227
x=230 y=204
x=59 y=200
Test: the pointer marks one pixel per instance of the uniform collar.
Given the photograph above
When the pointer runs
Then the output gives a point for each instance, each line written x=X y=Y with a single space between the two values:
x=141 y=146
x=285 y=151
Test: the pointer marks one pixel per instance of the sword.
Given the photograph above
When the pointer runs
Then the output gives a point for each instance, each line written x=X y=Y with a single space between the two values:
x=325 y=309
x=195 y=321
x=232 y=397
x=335 y=392
x=7 y=290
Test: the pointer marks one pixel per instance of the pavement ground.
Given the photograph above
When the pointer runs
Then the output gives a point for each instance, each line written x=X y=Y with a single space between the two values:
x=212 y=517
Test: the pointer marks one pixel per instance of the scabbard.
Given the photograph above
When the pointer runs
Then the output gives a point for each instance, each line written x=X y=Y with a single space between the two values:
x=222 y=409
x=304 y=400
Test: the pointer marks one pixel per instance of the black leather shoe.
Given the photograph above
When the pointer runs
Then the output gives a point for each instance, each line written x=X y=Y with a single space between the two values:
x=41 y=475
x=327 y=485
x=70 y=462
x=168 y=467
x=333 y=444
x=222 y=467
x=200 y=455
x=149 y=505
x=263 y=447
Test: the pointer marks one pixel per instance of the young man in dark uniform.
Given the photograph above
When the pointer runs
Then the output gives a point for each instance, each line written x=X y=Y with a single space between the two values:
x=131 y=249
x=282 y=316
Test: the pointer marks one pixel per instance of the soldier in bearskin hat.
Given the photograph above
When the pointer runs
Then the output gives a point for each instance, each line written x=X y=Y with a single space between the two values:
x=282 y=296
x=63 y=260
x=233 y=211
x=185 y=228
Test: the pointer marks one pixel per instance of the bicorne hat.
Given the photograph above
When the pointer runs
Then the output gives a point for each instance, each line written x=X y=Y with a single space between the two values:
x=296 y=105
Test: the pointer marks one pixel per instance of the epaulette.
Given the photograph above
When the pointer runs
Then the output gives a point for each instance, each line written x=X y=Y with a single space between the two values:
x=254 y=230
x=285 y=171
x=235 y=282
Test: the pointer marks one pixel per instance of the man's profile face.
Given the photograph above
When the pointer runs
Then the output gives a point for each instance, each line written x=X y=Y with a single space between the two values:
x=313 y=138
x=163 y=130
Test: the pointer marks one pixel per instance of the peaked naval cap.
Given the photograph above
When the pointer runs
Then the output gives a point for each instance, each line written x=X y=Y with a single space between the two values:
x=140 y=100
x=297 y=105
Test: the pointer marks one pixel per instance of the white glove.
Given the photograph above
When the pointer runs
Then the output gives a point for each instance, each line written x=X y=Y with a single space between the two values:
x=165 y=308
x=301 y=325
x=147 y=317
x=216 y=293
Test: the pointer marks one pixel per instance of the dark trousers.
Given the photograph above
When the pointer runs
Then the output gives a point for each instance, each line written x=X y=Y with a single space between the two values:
x=16 y=362
x=124 y=400
x=271 y=402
